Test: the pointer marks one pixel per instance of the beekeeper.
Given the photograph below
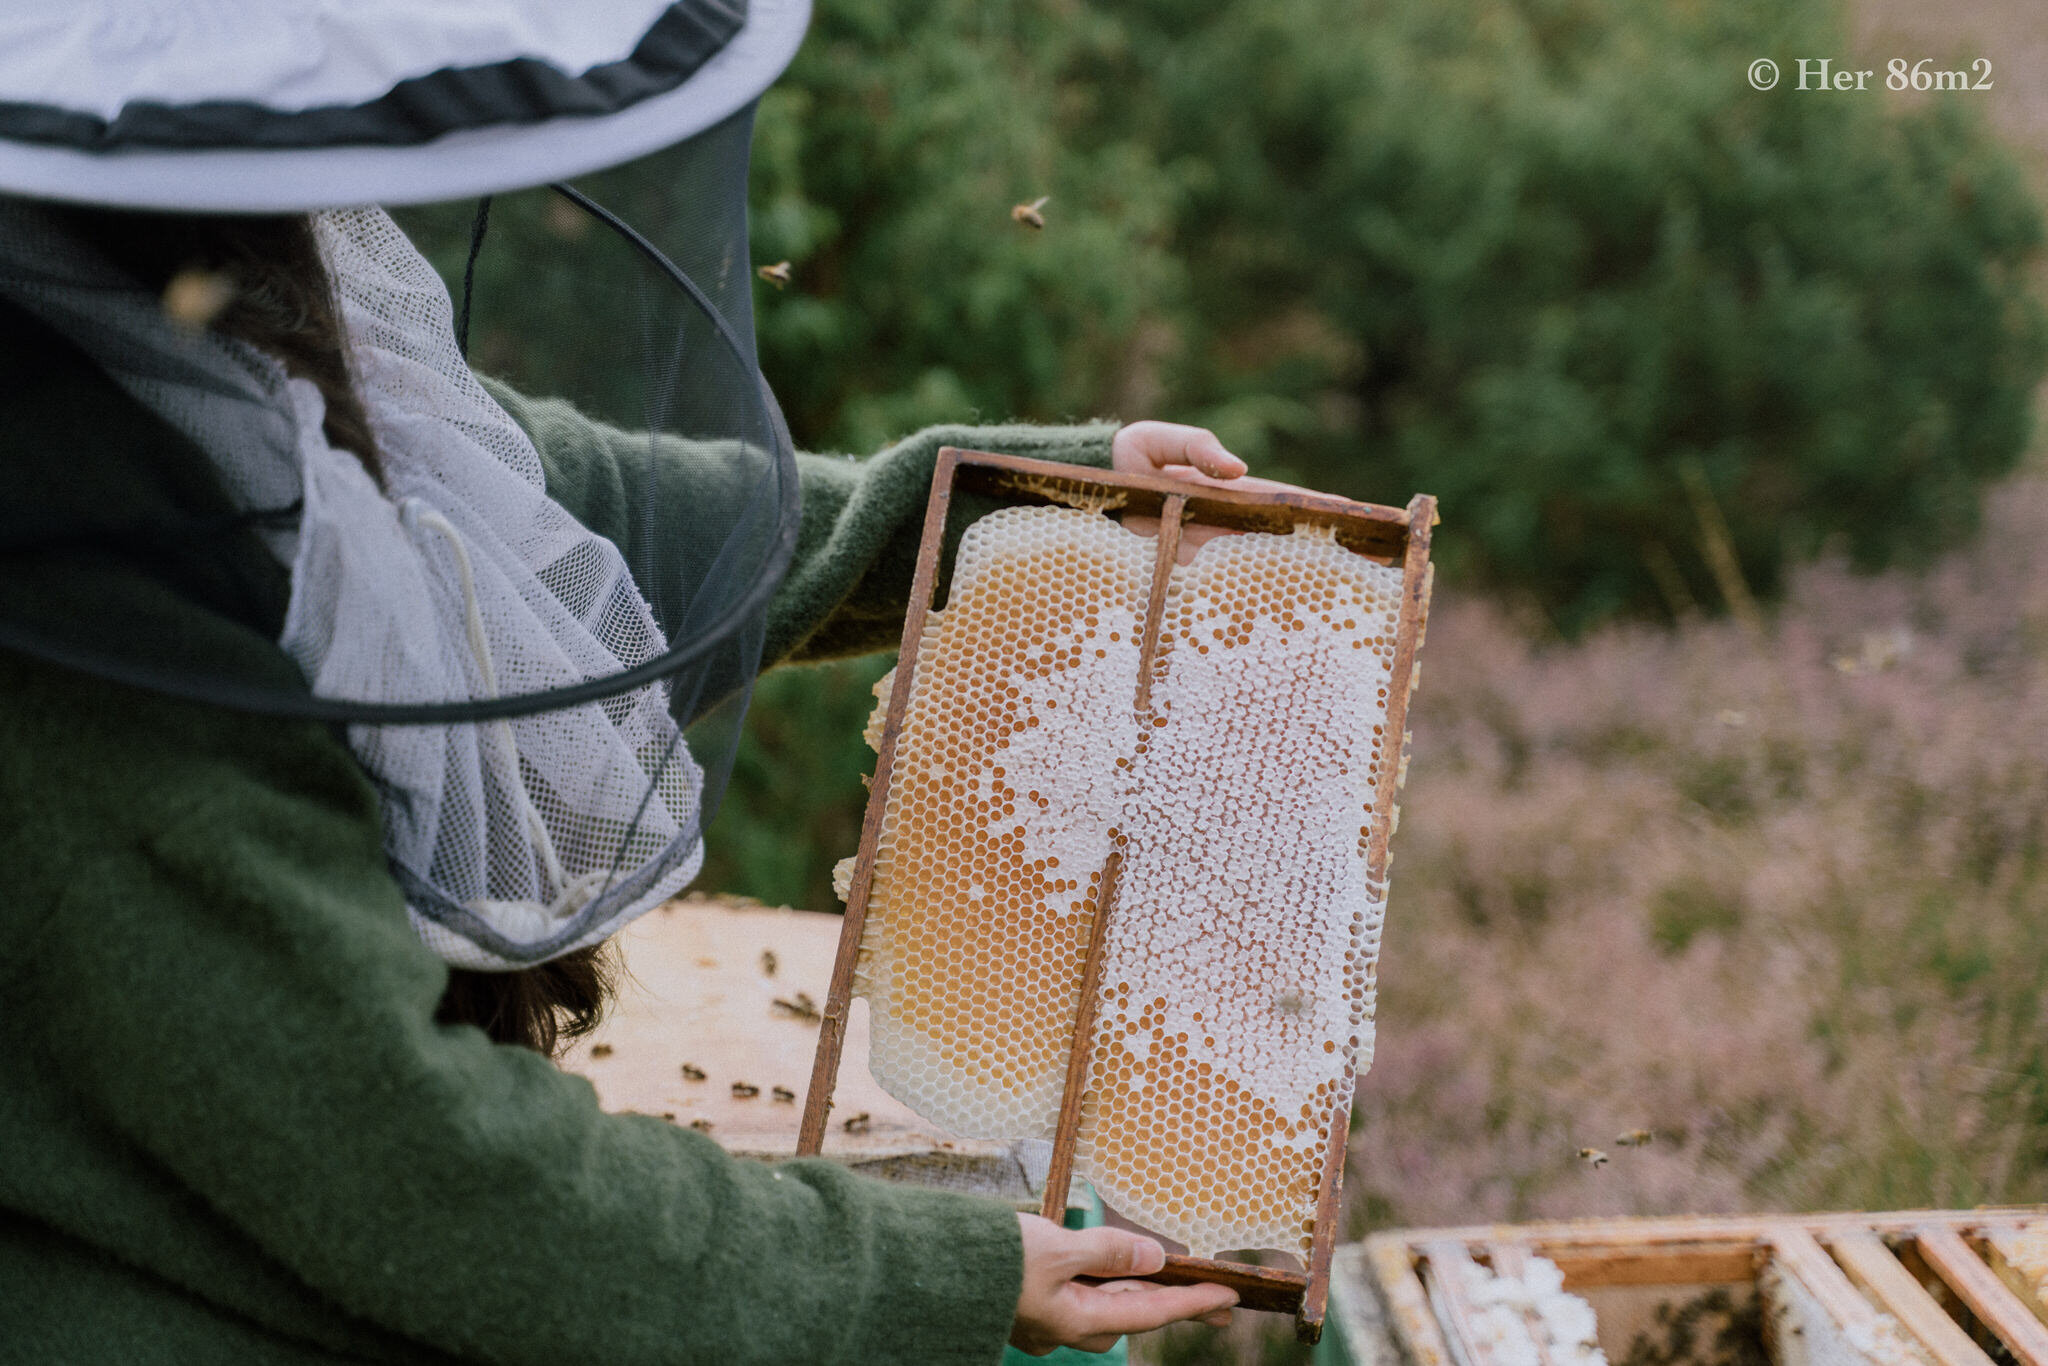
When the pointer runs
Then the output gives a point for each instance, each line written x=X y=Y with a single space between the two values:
x=349 y=703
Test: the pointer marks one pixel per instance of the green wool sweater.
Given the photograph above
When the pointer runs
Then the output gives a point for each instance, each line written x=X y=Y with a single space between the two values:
x=230 y=1130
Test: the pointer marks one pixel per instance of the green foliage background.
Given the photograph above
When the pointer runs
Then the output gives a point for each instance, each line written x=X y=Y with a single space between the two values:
x=1547 y=259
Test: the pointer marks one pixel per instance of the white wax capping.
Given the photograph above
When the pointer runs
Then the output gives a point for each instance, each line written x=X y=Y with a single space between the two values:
x=1246 y=928
x=1530 y=1319
x=1237 y=989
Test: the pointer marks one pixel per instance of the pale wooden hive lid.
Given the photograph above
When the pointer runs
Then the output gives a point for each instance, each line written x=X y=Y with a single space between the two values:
x=695 y=991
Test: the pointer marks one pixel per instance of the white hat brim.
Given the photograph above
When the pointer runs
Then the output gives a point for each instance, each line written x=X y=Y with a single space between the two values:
x=454 y=166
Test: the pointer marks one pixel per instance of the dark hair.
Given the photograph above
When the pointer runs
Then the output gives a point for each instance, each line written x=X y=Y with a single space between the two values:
x=545 y=1007
x=281 y=298
x=282 y=302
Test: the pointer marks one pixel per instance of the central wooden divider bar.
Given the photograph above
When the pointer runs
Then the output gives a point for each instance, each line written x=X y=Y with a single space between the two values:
x=1059 y=1174
x=1388 y=535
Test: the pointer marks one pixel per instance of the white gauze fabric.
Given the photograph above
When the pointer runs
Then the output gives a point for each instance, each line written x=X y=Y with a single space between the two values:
x=514 y=841
x=461 y=578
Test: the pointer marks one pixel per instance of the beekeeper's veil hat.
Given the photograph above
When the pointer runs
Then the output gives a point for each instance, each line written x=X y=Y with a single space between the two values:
x=548 y=714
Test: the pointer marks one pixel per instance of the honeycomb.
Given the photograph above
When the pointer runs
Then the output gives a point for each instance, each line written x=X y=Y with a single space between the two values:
x=1005 y=791
x=1526 y=1319
x=1237 y=989
x=1237 y=985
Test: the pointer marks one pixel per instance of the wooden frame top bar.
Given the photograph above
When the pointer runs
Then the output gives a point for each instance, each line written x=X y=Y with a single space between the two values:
x=1368 y=528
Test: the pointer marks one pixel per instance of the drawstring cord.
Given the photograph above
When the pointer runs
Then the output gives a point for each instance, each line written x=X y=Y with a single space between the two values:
x=572 y=895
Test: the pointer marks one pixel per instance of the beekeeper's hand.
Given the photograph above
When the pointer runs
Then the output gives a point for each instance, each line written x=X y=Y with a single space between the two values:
x=1055 y=1311
x=1193 y=455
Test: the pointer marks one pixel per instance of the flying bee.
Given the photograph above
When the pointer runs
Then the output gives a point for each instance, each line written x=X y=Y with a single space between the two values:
x=856 y=1124
x=783 y=1094
x=702 y=1126
x=692 y=1072
x=600 y=1050
x=744 y=1090
x=777 y=274
x=1635 y=1138
x=1593 y=1158
x=767 y=962
x=1031 y=215
x=801 y=1008
x=194 y=298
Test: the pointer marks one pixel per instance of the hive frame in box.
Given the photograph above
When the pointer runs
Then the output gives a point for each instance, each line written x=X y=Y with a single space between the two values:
x=1853 y=1264
x=1392 y=536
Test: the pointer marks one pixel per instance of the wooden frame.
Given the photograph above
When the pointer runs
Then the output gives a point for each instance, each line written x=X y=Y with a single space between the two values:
x=1391 y=536
x=1854 y=1264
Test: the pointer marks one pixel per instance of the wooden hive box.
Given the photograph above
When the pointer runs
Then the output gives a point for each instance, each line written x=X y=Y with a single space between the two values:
x=1937 y=1287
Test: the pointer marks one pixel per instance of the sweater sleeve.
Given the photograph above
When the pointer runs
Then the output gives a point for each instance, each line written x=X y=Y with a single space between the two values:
x=856 y=551
x=222 y=972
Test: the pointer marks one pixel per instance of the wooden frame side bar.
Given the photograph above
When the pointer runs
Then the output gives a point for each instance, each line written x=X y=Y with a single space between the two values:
x=1873 y=1268
x=839 y=996
x=1442 y=1271
x=1978 y=1286
x=1800 y=1255
x=1415 y=1326
x=1998 y=1250
x=1413 y=621
x=1512 y=1259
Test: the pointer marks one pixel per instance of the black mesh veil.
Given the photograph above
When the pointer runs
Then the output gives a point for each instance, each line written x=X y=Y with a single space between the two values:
x=629 y=296
x=593 y=536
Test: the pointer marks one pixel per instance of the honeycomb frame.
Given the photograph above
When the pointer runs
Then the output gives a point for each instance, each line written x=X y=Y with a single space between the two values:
x=1395 y=538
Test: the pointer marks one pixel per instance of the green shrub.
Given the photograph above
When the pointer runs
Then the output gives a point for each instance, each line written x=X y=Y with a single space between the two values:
x=1553 y=260
x=1543 y=257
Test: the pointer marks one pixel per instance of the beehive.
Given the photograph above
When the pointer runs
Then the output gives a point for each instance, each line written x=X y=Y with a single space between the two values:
x=1902 y=1288
x=1237 y=990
